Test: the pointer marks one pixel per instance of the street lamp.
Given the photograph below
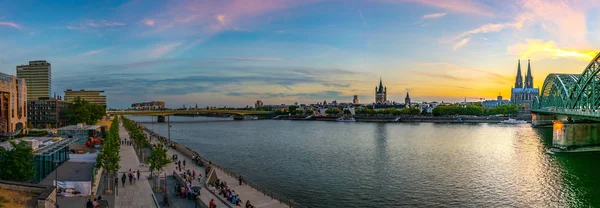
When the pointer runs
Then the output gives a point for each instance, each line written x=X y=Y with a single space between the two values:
x=56 y=180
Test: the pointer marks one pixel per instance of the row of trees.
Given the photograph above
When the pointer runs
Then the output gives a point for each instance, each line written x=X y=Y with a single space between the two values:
x=83 y=111
x=389 y=111
x=158 y=154
x=136 y=134
x=109 y=156
x=17 y=164
x=474 y=110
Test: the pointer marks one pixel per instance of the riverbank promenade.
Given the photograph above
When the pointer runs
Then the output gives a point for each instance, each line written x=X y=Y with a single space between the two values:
x=139 y=194
x=257 y=199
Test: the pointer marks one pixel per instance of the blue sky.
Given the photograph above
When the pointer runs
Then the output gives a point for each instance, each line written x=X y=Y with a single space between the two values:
x=233 y=52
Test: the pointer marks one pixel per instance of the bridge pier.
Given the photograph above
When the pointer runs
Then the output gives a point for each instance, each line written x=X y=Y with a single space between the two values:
x=569 y=137
x=542 y=120
x=161 y=119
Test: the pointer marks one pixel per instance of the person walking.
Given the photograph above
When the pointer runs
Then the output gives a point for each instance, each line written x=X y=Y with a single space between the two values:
x=123 y=179
x=179 y=164
x=212 y=204
x=89 y=204
x=240 y=179
x=183 y=163
x=95 y=203
x=138 y=174
x=134 y=176
x=130 y=178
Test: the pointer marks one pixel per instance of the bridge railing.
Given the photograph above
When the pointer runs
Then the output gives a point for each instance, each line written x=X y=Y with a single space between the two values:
x=581 y=112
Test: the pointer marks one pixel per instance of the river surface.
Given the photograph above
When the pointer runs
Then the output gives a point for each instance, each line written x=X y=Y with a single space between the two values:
x=337 y=164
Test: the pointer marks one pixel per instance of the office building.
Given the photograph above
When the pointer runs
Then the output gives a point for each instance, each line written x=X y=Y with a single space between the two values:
x=153 y=105
x=13 y=103
x=38 y=76
x=523 y=95
x=92 y=96
x=47 y=113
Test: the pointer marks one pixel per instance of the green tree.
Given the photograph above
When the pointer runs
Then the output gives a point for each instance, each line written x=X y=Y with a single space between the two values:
x=347 y=112
x=292 y=109
x=309 y=112
x=332 y=111
x=158 y=158
x=17 y=164
x=109 y=156
x=83 y=111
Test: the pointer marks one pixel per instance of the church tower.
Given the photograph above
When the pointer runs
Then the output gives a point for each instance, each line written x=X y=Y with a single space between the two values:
x=380 y=93
x=528 y=77
x=407 y=100
x=519 y=81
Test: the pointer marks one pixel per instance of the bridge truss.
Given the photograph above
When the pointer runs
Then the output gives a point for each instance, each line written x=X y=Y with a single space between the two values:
x=571 y=92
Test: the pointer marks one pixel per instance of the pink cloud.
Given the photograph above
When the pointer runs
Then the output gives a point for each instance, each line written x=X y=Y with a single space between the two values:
x=148 y=22
x=10 y=24
x=95 y=24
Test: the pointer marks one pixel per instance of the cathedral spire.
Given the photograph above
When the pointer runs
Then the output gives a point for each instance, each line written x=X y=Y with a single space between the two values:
x=528 y=77
x=519 y=80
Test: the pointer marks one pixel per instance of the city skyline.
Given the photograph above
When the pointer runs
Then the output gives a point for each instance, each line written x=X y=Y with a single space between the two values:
x=233 y=53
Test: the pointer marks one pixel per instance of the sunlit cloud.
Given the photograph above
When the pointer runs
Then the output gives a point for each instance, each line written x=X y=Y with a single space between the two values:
x=221 y=19
x=487 y=28
x=433 y=16
x=461 y=43
x=538 y=49
x=163 y=49
x=95 y=24
x=10 y=24
x=148 y=22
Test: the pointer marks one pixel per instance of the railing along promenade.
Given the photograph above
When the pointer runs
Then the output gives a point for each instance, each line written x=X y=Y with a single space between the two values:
x=188 y=152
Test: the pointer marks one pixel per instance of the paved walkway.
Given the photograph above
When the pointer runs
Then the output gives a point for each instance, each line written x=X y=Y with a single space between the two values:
x=138 y=195
x=245 y=192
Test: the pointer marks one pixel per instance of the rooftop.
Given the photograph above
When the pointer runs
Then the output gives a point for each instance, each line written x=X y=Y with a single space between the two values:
x=50 y=146
x=75 y=127
x=71 y=171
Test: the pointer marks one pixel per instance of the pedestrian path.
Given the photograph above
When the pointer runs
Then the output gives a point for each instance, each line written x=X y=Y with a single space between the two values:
x=139 y=194
x=245 y=192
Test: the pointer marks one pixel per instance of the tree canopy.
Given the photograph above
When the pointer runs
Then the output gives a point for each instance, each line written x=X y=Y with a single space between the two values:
x=158 y=157
x=83 y=111
x=17 y=164
x=109 y=157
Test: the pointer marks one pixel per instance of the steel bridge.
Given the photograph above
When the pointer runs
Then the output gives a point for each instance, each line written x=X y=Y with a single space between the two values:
x=572 y=95
x=186 y=112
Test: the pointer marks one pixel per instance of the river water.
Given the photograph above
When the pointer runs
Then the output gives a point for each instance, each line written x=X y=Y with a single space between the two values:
x=343 y=164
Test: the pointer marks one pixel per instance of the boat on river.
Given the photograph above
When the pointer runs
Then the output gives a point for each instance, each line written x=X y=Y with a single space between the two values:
x=513 y=121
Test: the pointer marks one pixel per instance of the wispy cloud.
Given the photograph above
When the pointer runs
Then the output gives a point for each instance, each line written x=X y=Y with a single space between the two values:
x=221 y=19
x=257 y=59
x=10 y=24
x=95 y=24
x=462 y=6
x=538 y=49
x=92 y=52
x=487 y=28
x=461 y=43
x=148 y=22
x=433 y=16
x=362 y=17
x=163 y=49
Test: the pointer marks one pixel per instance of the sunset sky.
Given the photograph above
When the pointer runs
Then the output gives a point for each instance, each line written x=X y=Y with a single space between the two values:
x=233 y=52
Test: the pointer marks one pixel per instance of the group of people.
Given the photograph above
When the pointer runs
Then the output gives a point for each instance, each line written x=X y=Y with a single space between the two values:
x=93 y=204
x=125 y=141
x=133 y=177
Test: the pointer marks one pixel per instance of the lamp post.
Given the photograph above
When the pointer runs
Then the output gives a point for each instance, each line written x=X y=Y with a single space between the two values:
x=56 y=180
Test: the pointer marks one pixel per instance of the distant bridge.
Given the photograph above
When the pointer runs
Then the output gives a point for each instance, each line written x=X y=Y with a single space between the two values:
x=173 y=112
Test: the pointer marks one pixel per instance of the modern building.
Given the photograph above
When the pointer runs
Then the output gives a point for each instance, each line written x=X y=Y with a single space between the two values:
x=355 y=100
x=81 y=132
x=380 y=93
x=524 y=95
x=92 y=96
x=407 y=100
x=258 y=104
x=47 y=113
x=38 y=76
x=153 y=105
x=13 y=103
